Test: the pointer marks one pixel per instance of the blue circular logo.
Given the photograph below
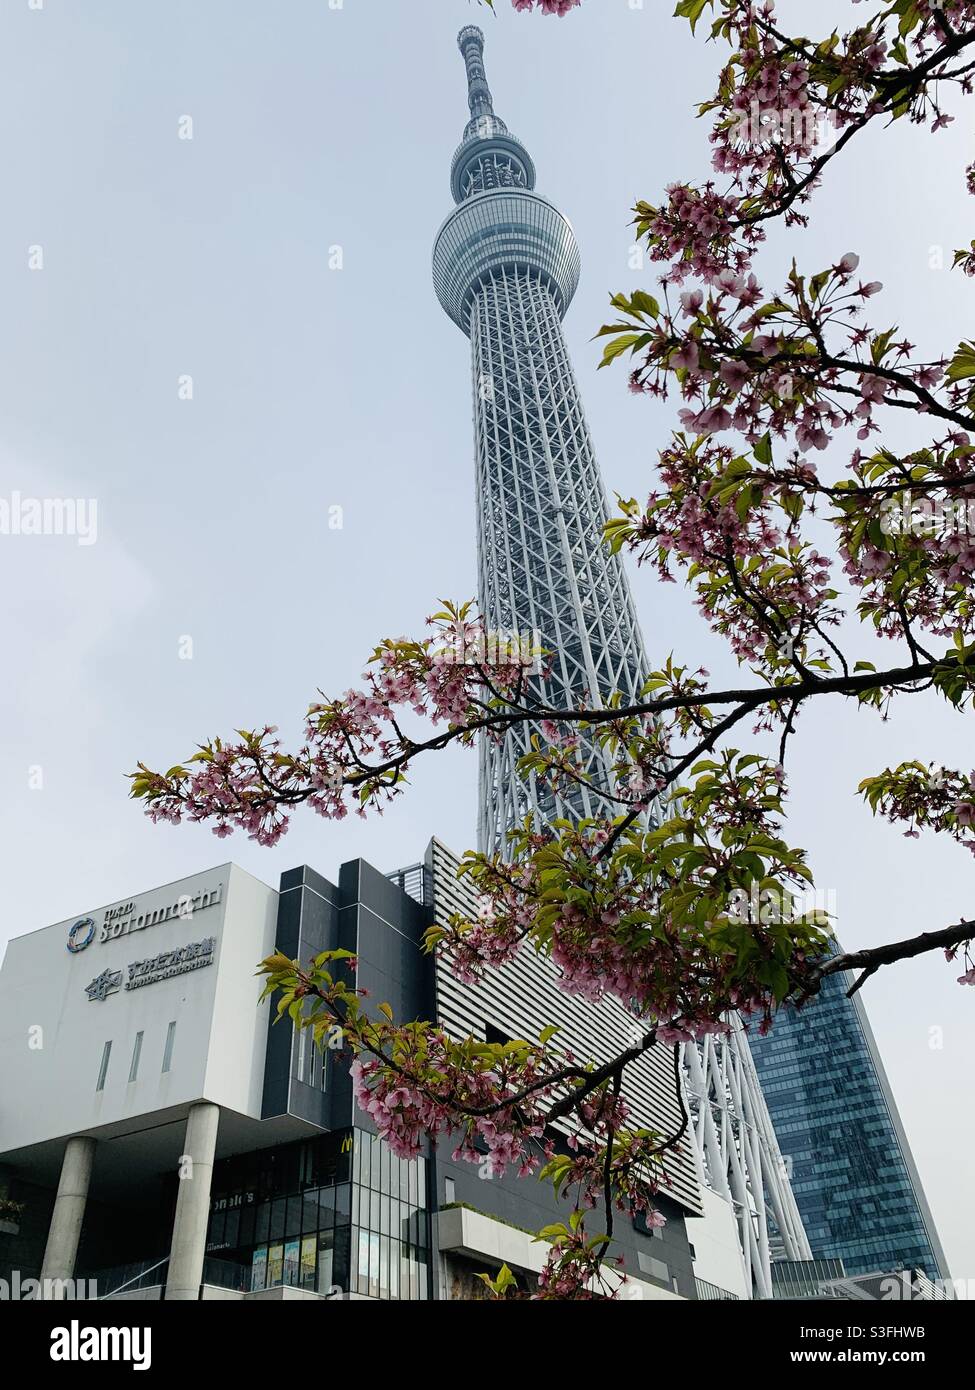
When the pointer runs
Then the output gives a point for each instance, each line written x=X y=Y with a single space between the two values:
x=82 y=934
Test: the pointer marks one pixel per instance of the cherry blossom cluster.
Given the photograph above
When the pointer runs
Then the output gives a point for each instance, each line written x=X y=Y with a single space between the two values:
x=925 y=797
x=968 y=975
x=644 y=917
x=784 y=106
x=574 y=1270
x=356 y=748
x=494 y=1102
x=405 y=1110
x=801 y=361
x=913 y=518
x=696 y=232
x=757 y=583
x=735 y=519
x=557 y=7
x=414 y=1081
x=767 y=369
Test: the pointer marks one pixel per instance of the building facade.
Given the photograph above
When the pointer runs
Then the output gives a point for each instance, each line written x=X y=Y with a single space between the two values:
x=853 y=1175
x=165 y=1138
x=518 y=1001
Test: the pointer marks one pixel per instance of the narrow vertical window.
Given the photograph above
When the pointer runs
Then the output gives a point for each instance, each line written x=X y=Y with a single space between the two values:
x=136 y=1054
x=168 y=1053
x=103 y=1069
x=302 y=1048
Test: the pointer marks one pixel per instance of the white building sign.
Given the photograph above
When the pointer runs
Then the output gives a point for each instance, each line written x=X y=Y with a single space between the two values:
x=148 y=972
x=126 y=918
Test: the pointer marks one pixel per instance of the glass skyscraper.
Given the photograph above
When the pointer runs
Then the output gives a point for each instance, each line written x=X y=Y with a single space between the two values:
x=853 y=1175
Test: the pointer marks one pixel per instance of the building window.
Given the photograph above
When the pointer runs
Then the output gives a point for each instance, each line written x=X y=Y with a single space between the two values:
x=656 y=1269
x=308 y=1222
x=449 y=1191
x=136 y=1054
x=168 y=1051
x=103 y=1069
x=311 y=1066
x=640 y=1224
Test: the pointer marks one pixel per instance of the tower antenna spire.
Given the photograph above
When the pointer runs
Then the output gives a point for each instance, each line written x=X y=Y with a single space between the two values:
x=470 y=41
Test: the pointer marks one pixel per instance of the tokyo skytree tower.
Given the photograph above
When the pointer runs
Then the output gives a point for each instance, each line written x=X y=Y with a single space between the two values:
x=505 y=267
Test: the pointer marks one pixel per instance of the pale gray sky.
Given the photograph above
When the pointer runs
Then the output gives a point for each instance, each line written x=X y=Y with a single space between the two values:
x=314 y=127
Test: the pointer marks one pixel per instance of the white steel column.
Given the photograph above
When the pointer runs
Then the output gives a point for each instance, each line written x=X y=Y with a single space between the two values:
x=739 y=1153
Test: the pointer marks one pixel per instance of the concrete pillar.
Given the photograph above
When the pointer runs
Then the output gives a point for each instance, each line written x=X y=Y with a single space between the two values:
x=193 y=1203
x=69 y=1210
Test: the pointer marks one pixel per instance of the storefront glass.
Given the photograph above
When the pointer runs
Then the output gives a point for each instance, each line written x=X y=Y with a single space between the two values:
x=333 y=1215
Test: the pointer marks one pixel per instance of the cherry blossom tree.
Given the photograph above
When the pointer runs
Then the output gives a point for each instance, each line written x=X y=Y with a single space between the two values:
x=644 y=902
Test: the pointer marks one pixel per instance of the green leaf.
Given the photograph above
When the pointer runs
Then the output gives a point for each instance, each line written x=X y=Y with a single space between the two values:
x=818 y=283
x=276 y=963
x=620 y=345
x=962 y=365
x=691 y=10
x=763 y=450
x=645 y=303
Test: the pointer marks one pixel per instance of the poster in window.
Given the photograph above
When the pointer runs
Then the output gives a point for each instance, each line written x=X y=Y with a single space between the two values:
x=308 y=1248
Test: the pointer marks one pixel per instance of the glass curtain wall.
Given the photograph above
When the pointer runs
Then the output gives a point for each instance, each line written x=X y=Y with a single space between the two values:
x=333 y=1215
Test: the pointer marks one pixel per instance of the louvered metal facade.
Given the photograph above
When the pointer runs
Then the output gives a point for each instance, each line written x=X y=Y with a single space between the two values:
x=520 y=1000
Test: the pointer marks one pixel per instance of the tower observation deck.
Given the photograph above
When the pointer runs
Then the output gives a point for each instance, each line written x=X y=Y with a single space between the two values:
x=505 y=269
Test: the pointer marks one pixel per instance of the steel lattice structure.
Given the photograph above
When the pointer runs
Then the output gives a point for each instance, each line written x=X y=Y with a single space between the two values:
x=506 y=265
x=739 y=1153
x=505 y=268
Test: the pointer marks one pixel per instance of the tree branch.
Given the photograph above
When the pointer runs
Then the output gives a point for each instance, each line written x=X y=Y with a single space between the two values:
x=869 y=961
